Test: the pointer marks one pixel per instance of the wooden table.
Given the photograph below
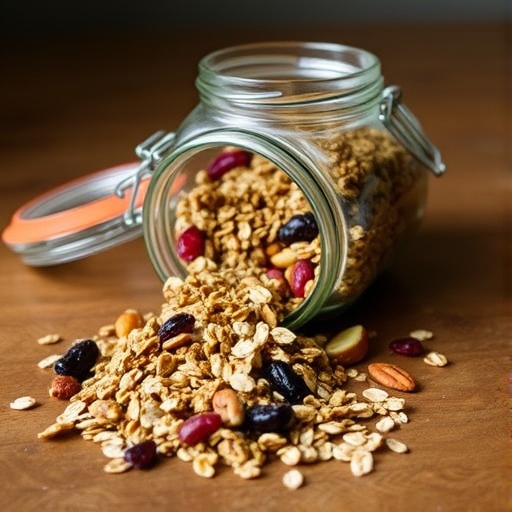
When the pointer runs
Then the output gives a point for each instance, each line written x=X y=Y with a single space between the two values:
x=75 y=105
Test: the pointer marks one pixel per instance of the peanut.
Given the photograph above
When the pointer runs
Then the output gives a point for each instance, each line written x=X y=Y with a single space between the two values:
x=228 y=405
x=127 y=321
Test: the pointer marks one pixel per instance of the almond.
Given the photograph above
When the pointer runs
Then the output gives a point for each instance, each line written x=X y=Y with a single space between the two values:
x=348 y=346
x=391 y=376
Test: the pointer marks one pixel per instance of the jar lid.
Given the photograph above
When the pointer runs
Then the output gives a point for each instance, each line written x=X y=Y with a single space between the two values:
x=80 y=218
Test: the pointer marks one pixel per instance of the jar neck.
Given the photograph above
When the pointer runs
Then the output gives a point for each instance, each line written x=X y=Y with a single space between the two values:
x=267 y=80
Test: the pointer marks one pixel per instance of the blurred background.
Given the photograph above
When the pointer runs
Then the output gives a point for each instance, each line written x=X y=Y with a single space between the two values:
x=38 y=17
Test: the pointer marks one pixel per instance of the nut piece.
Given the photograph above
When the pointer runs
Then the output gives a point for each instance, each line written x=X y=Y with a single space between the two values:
x=227 y=404
x=391 y=376
x=348 y=346
x=22 y=403
x=64 y=387
x=127 y=321
x=435 y=359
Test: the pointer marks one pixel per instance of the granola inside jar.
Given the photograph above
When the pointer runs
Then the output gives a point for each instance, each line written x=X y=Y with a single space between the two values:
x=297 y=167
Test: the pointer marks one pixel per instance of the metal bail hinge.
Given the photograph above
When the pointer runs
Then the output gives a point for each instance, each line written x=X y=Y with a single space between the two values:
x=402 y=124
x=151 y=152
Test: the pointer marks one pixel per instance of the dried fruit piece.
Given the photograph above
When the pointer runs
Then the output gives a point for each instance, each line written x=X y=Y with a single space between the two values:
x=226 y=161
x=64 y=387
x=190 y=244
x=301 y=272
x=391 y=376
x=269 y=417
x=78 y=360
x=199 y=427
x=408 y=346
x=301 y=227
x=176 y=324
x=285 y=381
x=348 y=346
x=141 y=455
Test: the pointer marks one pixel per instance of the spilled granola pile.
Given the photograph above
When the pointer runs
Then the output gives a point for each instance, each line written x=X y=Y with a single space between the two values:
x=145 y=389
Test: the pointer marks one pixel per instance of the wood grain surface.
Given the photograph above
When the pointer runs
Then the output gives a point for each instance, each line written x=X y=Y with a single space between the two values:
x=74 y=105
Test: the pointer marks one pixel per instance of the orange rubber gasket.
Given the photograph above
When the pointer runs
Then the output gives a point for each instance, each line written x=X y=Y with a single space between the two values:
x=24 y=229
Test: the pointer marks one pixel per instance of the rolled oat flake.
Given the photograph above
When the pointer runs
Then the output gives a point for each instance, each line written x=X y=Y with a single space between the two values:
x=298 y=166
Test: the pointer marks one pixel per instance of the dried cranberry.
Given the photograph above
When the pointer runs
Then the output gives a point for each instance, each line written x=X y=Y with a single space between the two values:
x=285 y=381
x=141 y=455
x=177 y=324
x=226 y=161
x=407 y=346
x=190 y=244
x=269 y=417
x=78 y=360
x=199 y=427
x=300 y=273
x=301 y=227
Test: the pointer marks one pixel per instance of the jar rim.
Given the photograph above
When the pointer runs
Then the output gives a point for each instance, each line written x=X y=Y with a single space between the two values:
x=289 y=72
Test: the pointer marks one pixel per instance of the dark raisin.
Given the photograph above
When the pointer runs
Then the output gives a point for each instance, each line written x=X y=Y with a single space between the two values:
x=285 y=381
x=299 y=228
x=141 y=455
x=269 y=417
x=199 y=427
x=78 y=360
x=177 y=324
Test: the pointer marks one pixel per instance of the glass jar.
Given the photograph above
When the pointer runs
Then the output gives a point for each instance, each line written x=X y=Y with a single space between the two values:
x=319 y=113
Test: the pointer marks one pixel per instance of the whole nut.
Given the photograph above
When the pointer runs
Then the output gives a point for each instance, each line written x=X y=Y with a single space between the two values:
x=391 y=376
x=228 y=405
x=127 y=321
x=64 y=387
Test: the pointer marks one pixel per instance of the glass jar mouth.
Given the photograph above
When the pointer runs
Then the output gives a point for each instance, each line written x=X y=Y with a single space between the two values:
x=159 y=217
x=289 y=73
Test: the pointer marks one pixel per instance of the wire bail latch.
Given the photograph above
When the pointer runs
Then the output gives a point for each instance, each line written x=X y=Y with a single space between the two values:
x=404 y=126
x=150 y=151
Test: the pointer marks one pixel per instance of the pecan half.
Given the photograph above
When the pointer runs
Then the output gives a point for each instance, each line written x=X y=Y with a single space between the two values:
x=391 y=376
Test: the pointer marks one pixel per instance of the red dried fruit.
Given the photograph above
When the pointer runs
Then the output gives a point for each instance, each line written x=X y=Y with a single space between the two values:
x=190 y=244
x=407 y=346
x=226 y=161
x=278 y=275
x=141 y=455
x=199 y=427
x=300 y=273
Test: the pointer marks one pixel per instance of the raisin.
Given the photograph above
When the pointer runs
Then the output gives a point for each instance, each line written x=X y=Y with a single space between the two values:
x=199 y=427
x=407 y=346
x=177 y=324
x=141 y=455
x=301 y=227
x=269 y=417
x=285 y=381
x=78 y=360
x=226 y=161
x=190 y=244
